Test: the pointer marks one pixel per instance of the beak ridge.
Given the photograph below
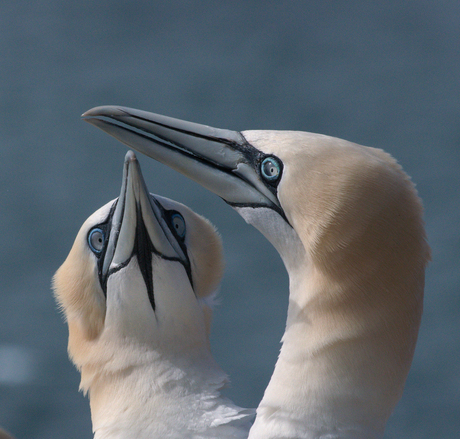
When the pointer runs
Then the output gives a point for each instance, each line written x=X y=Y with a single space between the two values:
x=136 y=208
x=220 y=160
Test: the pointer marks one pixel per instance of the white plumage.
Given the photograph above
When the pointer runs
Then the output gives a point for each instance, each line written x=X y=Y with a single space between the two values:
x=347 y=223
x=137 y=290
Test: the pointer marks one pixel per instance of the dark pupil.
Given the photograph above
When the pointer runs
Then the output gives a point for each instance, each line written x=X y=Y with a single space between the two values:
x=97 y=240
x=270 y=168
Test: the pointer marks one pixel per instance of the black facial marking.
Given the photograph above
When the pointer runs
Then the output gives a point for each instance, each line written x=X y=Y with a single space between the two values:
x=168 y=215
x=252 y=155
x=143 y=249
x=105 y=226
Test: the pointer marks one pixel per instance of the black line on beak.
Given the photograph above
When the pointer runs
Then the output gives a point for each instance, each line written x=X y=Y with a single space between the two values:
x=143 y=249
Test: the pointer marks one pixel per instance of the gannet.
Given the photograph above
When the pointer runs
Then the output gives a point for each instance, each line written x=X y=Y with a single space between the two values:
x=137 y=291
x=347 y=223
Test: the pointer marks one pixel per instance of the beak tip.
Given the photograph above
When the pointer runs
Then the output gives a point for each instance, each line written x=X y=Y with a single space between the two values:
x=91 y=113
x=130 y=157
x=104 y=110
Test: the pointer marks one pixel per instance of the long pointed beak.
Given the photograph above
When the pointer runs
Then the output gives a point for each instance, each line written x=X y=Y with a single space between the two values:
x=220 y=160
x=138 y=227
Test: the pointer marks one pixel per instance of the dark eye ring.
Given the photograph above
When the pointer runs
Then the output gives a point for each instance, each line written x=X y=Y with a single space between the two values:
x=178 y=223
x=96 y=240
x=270 y=169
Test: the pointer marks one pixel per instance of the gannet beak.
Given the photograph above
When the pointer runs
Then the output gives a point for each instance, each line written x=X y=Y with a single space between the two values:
x=137 y=226
x=220 y=160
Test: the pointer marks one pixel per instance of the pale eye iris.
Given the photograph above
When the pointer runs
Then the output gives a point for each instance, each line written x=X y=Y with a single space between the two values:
x=96 y=240
x=270 y=169
x=178 y=223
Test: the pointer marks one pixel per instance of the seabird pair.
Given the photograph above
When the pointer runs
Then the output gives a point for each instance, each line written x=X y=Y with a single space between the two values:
x=347 y=222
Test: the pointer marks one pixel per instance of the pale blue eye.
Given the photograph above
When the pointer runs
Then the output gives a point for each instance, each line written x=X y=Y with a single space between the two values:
x=96 y=239
x=178 y=222
x=270 y=169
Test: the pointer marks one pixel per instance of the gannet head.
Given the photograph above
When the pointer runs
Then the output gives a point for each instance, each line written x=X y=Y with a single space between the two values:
x=137 y=291
x=138 y=282
x=324 y=188
x=347 y=222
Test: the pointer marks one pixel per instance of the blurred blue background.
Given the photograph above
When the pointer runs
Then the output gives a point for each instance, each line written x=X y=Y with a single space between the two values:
x=383 y=74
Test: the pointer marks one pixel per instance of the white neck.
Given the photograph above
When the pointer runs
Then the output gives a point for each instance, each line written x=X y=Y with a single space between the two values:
x=323 y=384
x=346 y=350
x=166 y=398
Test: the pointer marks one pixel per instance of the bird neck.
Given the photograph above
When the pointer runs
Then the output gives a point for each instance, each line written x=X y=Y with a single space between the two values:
x=326 y=380
x=349 y=340
x=164 y=398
